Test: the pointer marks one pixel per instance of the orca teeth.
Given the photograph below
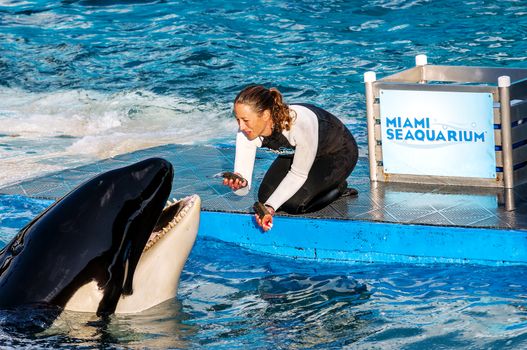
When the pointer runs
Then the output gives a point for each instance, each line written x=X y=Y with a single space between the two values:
x=156 y=236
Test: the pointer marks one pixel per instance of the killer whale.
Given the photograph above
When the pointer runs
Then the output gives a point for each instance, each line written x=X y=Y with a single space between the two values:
x=102 y=247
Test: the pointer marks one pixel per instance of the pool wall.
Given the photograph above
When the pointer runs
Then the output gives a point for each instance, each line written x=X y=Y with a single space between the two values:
x=367 y=241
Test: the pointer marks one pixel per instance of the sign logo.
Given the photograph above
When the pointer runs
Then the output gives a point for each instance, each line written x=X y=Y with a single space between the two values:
x=415 y=129
x=437 y=133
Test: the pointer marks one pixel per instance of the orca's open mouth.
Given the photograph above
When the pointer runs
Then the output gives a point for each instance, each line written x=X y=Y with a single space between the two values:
x=172 y=214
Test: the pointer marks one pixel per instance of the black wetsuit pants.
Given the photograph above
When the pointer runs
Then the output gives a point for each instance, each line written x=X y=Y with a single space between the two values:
x=325 y=182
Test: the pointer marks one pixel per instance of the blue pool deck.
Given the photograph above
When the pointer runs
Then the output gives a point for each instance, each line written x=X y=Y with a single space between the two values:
x=403 y=223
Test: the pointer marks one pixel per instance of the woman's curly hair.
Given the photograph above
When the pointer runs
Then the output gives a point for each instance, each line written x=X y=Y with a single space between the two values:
x=261 y=99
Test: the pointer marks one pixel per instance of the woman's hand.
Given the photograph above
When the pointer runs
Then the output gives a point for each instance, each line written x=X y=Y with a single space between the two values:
x=234 y=180
x=265 y=222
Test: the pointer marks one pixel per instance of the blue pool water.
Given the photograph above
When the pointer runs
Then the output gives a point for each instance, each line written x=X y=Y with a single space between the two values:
x=87 y=79
x=230 y=298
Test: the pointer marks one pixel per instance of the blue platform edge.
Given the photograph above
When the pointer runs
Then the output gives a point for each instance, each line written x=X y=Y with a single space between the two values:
x=357 y=241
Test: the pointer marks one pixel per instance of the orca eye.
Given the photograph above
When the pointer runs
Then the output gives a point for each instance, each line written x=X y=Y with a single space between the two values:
x=16 y=247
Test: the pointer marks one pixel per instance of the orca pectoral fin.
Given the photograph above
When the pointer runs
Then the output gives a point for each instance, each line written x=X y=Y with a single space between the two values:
x=109 y=300
x=112 y=290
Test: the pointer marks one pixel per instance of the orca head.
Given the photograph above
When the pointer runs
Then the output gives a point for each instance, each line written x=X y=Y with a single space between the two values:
x=164 y=256
x=97 y=232
x=157 y=273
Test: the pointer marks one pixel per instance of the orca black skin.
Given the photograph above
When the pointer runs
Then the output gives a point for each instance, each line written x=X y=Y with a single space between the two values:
x=96 y=232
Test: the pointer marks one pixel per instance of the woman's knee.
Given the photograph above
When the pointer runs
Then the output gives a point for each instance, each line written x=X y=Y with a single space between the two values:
x=298 y=203
x=291 y=207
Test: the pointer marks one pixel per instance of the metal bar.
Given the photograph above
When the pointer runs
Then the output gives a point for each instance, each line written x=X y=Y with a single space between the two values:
x=369 y=79
x=433 y=87
x=412 y=75
x=497 y=138
x=519 y=155
x=421 y=61
x=464 y=74
x=509 y=199
x=499 y=160
x=504 y=83
x=445 y=180
x=496 y=112
x=518 y=111
x=519 y=134
x=519 y=90
x=520 y=176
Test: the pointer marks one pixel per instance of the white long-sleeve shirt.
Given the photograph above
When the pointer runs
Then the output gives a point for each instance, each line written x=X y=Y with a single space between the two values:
x=303 y=135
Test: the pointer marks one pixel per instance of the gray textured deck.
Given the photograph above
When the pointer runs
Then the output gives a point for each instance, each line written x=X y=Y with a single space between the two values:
x=399 y=203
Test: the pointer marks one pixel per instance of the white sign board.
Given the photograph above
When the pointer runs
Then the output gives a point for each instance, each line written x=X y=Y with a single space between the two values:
x=438 y=133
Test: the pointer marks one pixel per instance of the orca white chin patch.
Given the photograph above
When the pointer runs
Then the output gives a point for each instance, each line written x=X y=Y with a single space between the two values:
x=156 y=276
